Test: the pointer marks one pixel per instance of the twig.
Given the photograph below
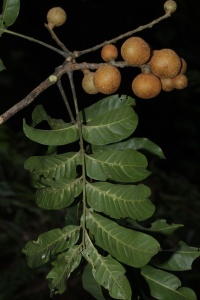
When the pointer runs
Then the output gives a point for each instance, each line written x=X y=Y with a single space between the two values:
x=129 y=33
x=25 y=102
x=59 y=84
x=52 y=79
x=63 y=53
x=57 y=40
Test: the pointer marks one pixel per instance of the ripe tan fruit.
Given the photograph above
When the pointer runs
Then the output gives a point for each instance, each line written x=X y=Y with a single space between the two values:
x=146 y=86
x=170 y=6
x=56 y=16
x=135 y=51
x=167 y=84
x=109 y=52
x=165 y=63
x=183 y=66
x=180 y=81
x=88 y=83
x=107 y=79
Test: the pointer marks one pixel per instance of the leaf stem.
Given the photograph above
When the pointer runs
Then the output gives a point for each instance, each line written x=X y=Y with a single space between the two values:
x=82 y=150
x=59 y=84
x=64 y=54
x=57 y=40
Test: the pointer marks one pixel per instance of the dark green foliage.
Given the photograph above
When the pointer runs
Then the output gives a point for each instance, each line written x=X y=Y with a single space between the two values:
x=110 y=193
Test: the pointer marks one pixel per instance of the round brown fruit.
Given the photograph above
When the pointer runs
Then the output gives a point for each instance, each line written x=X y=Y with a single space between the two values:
x=170 y=6
x=146 y=86
x=135 y=51
x=107 y=79
x=165 y=63
x=56 y=16
x=167 y=84
x=109 y=52
x=180 y=81
x=183 y=66
x=88 y=83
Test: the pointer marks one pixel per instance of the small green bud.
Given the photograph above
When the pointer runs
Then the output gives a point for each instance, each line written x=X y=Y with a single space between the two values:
x=53 y=78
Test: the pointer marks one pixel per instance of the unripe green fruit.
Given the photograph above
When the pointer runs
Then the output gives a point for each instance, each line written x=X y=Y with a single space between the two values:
x=146 y=86
x=88 y=83
x=56 y=16
x=135 y=51
x=170 y=6
x=107 y=79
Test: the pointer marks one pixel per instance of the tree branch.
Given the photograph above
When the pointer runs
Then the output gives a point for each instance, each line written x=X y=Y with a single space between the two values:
x=129 y=33
x=69 y=65
x=52 y=79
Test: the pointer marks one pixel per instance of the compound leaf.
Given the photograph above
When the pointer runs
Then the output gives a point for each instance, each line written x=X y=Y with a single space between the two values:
x=128 y=246
x=49 y=243
x=122 y=166
x=120 y=201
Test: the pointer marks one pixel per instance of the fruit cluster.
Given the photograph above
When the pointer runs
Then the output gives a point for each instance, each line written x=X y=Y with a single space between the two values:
x=160 y=70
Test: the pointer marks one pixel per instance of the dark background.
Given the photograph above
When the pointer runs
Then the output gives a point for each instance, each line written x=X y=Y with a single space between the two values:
x=171 y=120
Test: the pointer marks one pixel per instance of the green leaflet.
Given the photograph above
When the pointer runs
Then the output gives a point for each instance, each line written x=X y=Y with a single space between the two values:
x=111 y=126
x=73 y=214
x=39 y=114
x=2 y=67
x=63 y=134
x=161 y=226
x=158 y=226
x=120 y=201
x=126 y=245
x=90 y=284
x=181 y=259
x=132 y=143
x=108 y=272
x=63 y=266
x=122 y=166
x=50 y=243
x=166 y=286
x=104 y=105
x=9 y=13
x=57 y=167
x=59 y=194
